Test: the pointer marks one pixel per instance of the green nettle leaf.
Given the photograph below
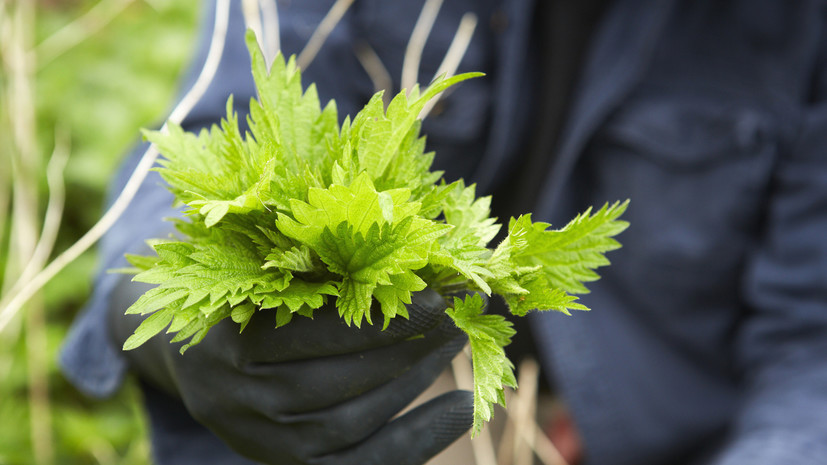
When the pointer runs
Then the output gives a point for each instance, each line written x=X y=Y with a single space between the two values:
x=300 y=212
x=488 y=335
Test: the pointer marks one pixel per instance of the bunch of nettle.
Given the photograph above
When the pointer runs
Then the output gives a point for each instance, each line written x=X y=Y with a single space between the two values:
x=301 y=210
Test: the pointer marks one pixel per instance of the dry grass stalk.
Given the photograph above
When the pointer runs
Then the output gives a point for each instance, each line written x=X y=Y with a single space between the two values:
x=416 y=43
x=453 y=57
x=270 y=21
x=524 y=411
x=261 y=16
x=323 y=30
x=377 y=72
x=54 y=211
x=523 y=439
x=252 y=19
x=19 y=65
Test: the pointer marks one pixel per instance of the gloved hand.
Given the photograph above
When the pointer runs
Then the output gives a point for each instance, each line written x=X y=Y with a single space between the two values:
x=314 y=391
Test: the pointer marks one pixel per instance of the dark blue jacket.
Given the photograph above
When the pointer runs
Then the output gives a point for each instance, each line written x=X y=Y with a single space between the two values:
x=708 y=339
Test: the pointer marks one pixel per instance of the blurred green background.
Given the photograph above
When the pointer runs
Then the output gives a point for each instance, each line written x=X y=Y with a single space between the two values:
x=87 y=74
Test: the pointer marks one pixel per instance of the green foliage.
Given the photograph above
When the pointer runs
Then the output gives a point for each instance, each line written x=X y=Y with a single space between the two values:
x=100 y=91
x=300 y=211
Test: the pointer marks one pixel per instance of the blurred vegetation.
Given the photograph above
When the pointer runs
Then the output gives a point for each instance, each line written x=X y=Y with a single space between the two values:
x=94 y=72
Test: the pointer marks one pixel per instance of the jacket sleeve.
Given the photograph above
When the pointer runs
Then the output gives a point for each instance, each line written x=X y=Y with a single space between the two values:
x=89 y=359
x=782 y=346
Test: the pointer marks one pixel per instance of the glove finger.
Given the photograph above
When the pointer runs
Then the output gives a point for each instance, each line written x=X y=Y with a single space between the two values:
x=327 y=334
x=413 y=438
x=309 y=385
x=350 y=422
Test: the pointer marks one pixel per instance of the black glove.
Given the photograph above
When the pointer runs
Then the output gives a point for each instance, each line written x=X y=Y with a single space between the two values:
x=314 y=391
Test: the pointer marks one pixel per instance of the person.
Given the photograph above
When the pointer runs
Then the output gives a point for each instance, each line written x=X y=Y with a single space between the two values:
x=708 y=336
